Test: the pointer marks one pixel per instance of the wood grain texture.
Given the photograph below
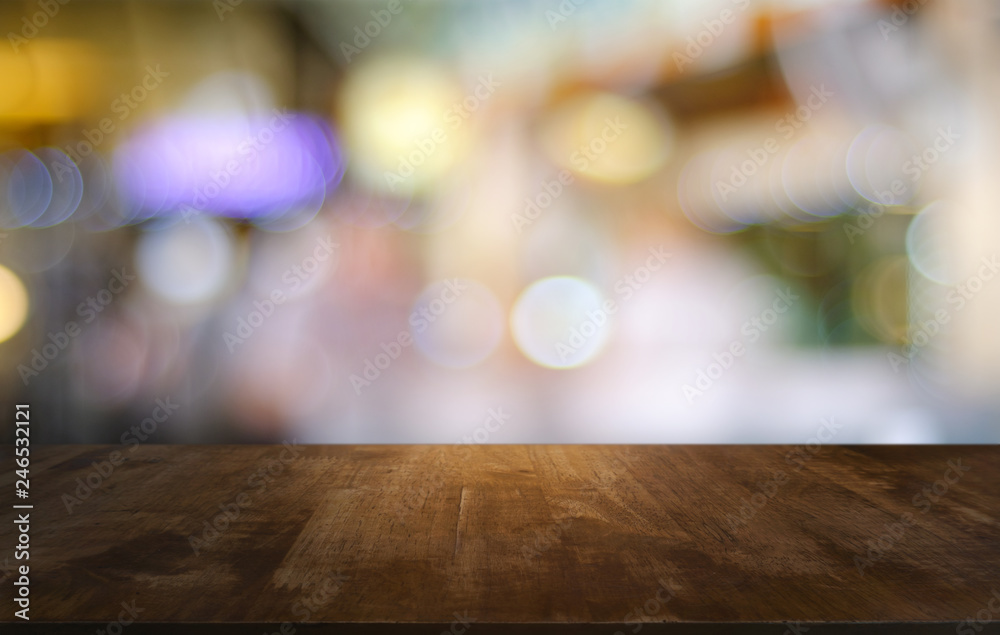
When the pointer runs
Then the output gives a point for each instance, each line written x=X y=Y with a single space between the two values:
x=518 y=538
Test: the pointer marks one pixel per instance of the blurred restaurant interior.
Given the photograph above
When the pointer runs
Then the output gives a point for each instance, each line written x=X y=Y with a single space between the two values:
x=562 y=221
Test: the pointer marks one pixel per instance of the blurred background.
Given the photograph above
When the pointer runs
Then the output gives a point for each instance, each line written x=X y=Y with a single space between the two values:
x=390 y=221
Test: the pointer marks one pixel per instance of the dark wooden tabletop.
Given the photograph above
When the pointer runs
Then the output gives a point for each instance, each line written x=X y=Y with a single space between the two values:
x=491 y=539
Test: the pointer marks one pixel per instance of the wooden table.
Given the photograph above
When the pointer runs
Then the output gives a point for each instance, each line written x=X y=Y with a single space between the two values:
x=511 y=539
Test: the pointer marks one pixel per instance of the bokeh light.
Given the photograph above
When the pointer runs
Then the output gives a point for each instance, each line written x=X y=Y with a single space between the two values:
x=186 y=263
x=48 y=80
x=264 y=167
x=310 y=176
x=879 y=299
x=67 y=187
x=404 y=123
x=466 y=331
x=927 y=243
x=607 y=137
x=879 y=165
x=28 y=187
x=560 y=322
x=13 y=304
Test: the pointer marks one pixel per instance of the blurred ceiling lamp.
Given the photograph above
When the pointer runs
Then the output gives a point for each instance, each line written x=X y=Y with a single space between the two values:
x=13 y=304
x=406 y=123
x=48 y=81
x=607 y=138
x=262 y=167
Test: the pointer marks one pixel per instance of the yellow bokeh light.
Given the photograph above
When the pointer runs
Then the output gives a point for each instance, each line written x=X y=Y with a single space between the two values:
x=404 y=123
x=13 y=304
x=607 y=138
x=48 y=80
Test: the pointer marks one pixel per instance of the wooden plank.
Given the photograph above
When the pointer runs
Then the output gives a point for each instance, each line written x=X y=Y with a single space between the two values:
x=406 y=538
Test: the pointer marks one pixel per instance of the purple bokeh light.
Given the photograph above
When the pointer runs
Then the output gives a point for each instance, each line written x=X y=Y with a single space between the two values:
x=260 y=167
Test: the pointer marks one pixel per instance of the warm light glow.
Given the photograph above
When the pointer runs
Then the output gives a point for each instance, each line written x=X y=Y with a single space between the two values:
x=47 y=80
x=13 y=304
x=607 y=138
x=403 y=123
